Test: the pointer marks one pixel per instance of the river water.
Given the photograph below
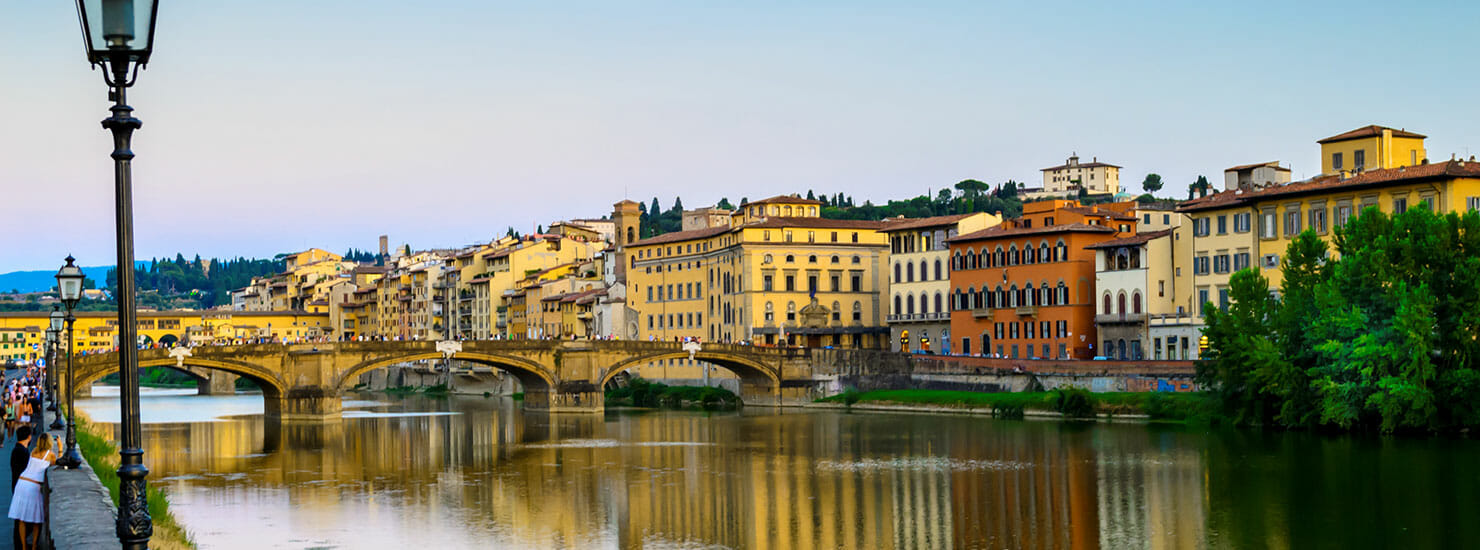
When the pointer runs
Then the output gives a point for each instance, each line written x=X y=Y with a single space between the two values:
x=475 y=472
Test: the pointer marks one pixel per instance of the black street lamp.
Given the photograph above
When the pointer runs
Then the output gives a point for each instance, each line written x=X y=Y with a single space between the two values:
x=69 y=287
x=54 y=338
x=119 y=35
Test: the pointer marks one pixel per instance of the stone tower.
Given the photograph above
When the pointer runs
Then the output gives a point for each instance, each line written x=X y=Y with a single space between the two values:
x=626 y=215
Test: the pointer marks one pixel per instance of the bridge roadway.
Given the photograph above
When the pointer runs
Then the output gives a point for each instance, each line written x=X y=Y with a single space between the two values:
x=307 y=381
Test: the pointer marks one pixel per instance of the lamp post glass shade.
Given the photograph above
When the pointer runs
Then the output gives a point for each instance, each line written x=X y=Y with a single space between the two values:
x=57 y=318
x=118 y=27
x=69 y=283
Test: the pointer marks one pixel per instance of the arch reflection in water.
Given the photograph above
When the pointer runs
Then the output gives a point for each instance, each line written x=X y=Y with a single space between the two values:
x=391 y=475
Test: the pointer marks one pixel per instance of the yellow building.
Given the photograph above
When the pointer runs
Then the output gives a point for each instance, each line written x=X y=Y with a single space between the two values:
x=1095 y=177
x=779 y=274
x=1371 y=147
x=1324 y=203
x=96 y=331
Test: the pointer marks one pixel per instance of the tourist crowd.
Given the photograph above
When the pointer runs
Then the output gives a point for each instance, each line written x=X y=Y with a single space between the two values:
x=31 y=456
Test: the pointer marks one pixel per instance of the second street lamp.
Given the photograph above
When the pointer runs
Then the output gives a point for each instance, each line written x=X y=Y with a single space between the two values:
x=53 y=339
x=119 y=35
x=69 y=287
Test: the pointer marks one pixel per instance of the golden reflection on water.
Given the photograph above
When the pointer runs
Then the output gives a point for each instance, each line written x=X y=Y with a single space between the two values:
x=495 y=476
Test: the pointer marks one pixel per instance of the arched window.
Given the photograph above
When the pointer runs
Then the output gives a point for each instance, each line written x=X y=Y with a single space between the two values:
x=1061 y=252
x=1136 y=302
x=924 y=273
x=1063 y=294
x=909 y=272
x=1045 y=298
x=909 y=304
x=1012 y=255
x=898 y=307
x=998 y=259
x=1001 y=297
x=857 y=311
x=939 y=276
x=837 y=310
x=786 y=210
x=1107 y=304
x=1043 y=253
x=790 y=258
x=791 y=311
x=1012 y=296
x=629 y=235
x=897 y=273
x=956 y=261
x=938 y=303
x=980 y=301
x=1120 y=303
x=836 y=259
x=770 y=312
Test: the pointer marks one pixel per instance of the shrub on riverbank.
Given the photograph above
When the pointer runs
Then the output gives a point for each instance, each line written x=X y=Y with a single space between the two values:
x=1157 y=405
x=102 y=456
x=642 y=393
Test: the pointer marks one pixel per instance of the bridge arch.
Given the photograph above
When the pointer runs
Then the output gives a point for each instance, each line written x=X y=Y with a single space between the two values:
x=749 y=370
x=529 y=373
x=271 y=386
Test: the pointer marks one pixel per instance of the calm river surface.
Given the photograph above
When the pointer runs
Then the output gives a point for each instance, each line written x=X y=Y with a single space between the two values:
x=474 y=472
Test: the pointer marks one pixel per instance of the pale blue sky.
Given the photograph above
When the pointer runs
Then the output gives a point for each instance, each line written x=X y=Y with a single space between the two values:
x=277 y=125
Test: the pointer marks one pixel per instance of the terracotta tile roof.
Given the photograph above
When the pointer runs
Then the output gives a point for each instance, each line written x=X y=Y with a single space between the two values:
x=499 y=253
x=1127 y=241
x=1216 y=201
x=1406 y=174
x=1002 y=232
x=817 y=223
x=1370 y=130
x=370 y=269
x=677 y=236
x=1092 y=211
x=1271 y=164
x=1081 y=165
x=901 y=224
x=788 y=199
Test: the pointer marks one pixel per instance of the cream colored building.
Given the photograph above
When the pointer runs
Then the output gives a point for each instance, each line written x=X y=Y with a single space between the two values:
x=1095 y=177
x=919 y=278
x=1371 y=147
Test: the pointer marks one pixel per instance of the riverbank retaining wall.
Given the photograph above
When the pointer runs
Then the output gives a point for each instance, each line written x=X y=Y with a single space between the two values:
x=865 y=370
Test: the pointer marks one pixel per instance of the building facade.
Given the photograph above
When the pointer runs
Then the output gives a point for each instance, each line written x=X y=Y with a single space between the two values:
x=1025 y=288
x=919 y=279
x=1095 y=177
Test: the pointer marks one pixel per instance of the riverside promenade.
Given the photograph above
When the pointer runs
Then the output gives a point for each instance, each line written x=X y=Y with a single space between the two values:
x=80 y=513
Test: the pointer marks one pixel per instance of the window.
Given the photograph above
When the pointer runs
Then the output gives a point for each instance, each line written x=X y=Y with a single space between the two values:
x=1222 y=225
x=812 y=283
x=1241 y=223
x=857 y=282
x=766 y=283
x=1240 y=261
x=837 y=312
x=1223 y=298
x=1335 y=161
x=770 y=314
x=837 y=283
x=1267 y=228
x=1202 y=298
x=1146 y=219
x=791 y=311
x=1472 y=203
x=897 y=271
x=1343 y=213
x=1400 y=205
x=791 y=283
x=1359 y=159
x=1292 y=222
x=857 y=311
x=1318 y=219
x=812 y=259
x=1161 y=288
x=1270 y=261
x=1220 y=263
x=790 y=258
x=1200 y=265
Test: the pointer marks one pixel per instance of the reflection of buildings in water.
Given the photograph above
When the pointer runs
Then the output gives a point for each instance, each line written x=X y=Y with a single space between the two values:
x=495 y=475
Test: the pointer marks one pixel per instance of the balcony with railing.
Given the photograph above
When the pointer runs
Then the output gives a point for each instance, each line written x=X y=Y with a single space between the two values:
x=1027 y=311
x=1120 y=319
x=919 y=317
x=1172 y=319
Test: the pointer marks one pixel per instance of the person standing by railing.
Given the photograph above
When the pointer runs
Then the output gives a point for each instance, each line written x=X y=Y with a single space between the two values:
x=27 y=506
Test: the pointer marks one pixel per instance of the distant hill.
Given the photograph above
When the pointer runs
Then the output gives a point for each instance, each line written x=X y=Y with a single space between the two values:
x=44 y=280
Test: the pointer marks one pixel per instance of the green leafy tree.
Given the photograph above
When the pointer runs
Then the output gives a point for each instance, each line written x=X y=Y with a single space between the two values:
x=1200 y=187
x=1242 y=348
x=1152 y=183
x=724 y=203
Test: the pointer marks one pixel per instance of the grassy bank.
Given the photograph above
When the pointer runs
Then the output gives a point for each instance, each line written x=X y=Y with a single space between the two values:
x=642 y=393
x=1180 y=407
x=102 y=456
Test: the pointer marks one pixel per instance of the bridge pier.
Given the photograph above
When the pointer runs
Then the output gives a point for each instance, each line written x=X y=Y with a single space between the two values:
x=217 y=383
x=579 y=396
x=304 y=403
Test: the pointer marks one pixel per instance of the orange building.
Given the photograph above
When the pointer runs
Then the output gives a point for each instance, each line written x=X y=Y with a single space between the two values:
x=1025 y=289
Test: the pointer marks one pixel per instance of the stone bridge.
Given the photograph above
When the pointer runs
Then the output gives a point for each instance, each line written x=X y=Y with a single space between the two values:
x=308 y=380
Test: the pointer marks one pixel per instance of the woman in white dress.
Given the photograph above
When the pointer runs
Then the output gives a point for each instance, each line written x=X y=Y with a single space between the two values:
x=27 y=507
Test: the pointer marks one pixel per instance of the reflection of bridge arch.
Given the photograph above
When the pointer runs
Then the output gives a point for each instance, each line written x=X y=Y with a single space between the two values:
x=89 y=373
x=531 y=374
x=750 y=371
